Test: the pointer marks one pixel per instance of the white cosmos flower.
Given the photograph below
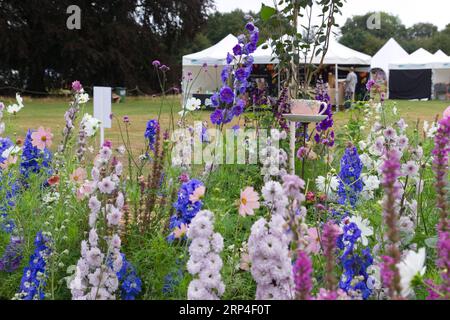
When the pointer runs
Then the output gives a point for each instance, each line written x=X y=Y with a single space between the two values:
x=10 y=151
x=90 y=125
x=15 y=108
x=411 y=265
x=193 y=104
x=364 y=226
x=83 y=98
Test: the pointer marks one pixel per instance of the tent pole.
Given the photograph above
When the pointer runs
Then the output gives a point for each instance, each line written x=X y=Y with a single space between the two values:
x=336 y=85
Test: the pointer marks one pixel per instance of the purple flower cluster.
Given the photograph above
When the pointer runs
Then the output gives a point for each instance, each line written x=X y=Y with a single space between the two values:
x=302 y=276
x=280 y=107
x=235 y=79
x=323 y=136
x=10 y=261
x=391 y=172
x=440 y=166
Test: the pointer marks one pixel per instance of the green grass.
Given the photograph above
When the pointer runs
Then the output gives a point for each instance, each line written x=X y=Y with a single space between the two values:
x=49 y=113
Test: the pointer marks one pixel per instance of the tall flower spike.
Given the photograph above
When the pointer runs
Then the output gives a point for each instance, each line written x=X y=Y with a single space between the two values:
x=440 y=166
x=302 y=276
x=205 y=262
x=391 y=172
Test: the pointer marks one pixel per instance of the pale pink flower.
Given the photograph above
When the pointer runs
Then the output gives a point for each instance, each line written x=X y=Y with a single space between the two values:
x=78 y=176
x=85 y=190
x=42 y=138
x=107 y=185
x=8 y=162
x=313 y=241
x=180 y=232
x=447 y=113
x=198 y=194
x=249 y=202
x=114 y=217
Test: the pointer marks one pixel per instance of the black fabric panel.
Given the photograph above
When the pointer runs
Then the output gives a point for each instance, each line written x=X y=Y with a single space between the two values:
x=410 y=84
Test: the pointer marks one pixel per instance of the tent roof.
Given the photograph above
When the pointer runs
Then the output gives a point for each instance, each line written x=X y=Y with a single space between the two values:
x=441 y=55
x=391 y=51
x=339 y=54
x=421 y=59
x=216 y=54
x=336 y=54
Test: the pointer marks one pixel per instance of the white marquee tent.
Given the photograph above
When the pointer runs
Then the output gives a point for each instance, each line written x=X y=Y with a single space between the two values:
x=215 y=57
x=390 y=52
x=207 y=82
x=435 y=69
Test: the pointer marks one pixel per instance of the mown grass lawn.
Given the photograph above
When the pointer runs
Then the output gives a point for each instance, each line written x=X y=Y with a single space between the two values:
x=49 y=113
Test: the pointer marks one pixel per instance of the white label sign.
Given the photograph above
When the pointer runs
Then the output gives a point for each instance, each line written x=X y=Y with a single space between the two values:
x=102 y=106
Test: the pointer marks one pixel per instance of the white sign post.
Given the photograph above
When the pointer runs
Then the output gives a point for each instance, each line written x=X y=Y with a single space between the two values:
x=102 y=109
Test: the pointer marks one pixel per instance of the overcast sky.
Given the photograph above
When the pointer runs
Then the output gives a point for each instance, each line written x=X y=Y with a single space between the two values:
x=409 y=11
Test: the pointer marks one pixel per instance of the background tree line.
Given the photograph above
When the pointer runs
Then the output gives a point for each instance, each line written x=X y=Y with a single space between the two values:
x=119 y=39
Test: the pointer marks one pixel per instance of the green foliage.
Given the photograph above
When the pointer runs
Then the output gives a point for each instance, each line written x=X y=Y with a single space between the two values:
x=356 y=34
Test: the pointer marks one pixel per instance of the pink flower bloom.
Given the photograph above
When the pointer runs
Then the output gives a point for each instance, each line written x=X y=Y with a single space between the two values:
x=249 y=202
x=198 y=194
x=85 y=190
x=42 y=138
x=76 y=86
x=447 y=113
x=78 y=176
x=313 y=241
x=179 y=232
x=8 y=162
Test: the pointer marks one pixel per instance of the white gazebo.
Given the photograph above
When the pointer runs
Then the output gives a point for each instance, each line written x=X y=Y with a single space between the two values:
x=207 y=80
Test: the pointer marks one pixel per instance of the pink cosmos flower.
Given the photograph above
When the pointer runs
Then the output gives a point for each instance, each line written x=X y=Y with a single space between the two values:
x=42 y=138
x=198 y=194
x=8 y=162
x=78 y=176
x=180 y=231
x=85 y=190
x=447 y=113
x=313 y=241
x=249 y=202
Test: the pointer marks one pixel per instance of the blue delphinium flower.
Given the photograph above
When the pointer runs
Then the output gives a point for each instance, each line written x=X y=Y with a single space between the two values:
x=227 y=100
x=354 y=278
x=130 y=283
x=151 y=133
x=350 y=182
x=186 y=209
x=33 y=159
x=34 y=279
x=12 y=257
x=5 y=143
x=171 y=281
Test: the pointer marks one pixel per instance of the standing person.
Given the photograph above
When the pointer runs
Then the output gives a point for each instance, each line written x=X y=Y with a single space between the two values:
x=350 y=86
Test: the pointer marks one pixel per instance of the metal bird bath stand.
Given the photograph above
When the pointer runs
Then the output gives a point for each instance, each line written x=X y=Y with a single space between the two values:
x=305 y=120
